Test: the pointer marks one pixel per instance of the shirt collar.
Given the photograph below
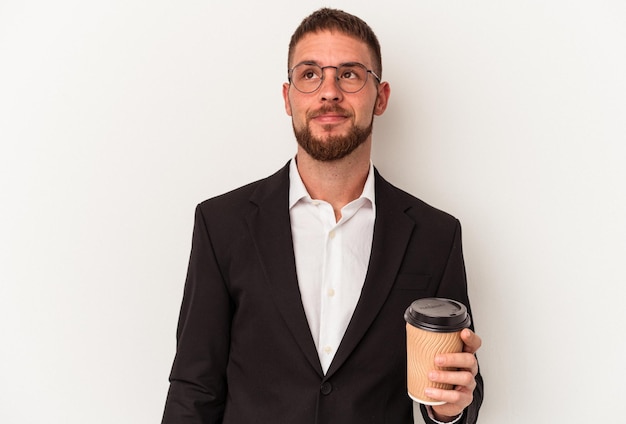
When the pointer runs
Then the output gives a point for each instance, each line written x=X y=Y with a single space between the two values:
x=297 y=190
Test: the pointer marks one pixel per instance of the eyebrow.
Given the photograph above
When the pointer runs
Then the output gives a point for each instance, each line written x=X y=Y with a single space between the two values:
x=313 y=62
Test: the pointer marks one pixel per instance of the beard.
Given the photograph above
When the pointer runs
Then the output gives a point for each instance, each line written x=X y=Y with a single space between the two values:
x=333 y=147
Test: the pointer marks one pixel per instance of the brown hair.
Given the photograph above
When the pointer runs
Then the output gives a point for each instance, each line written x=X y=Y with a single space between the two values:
x=338 y=20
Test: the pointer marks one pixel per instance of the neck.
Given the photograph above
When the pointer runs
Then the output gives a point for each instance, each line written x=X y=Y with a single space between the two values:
x=337 y=182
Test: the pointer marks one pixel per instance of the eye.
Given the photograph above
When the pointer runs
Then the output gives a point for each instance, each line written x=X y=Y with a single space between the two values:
x=347 y=74
x=308 y=73
x=350 y=73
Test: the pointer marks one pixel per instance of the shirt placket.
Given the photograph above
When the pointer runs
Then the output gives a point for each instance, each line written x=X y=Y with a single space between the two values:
x=330 y=338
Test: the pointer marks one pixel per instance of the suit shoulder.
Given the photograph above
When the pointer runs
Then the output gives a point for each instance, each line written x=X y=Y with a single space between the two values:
x=232 y=197
x=415 y=206
x=239 y=198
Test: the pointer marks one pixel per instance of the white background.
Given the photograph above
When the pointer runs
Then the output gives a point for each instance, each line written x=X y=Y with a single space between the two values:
x=118 y=116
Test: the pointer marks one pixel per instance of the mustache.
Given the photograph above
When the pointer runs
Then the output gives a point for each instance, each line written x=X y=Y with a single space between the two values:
x=328 y=109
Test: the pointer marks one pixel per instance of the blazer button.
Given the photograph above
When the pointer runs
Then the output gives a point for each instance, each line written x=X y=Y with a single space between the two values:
x=326 y=388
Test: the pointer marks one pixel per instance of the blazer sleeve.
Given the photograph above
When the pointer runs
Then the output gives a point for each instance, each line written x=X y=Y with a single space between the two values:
x=453 y=285
x=197 y=391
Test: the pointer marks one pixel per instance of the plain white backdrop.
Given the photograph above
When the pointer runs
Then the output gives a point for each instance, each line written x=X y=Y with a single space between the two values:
x=118 y=117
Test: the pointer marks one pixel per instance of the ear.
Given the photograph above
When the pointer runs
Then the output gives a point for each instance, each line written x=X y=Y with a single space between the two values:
x=383 y=98
x=286 y=98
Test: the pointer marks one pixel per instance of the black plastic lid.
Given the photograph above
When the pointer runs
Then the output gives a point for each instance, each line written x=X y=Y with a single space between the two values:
x=438 y=314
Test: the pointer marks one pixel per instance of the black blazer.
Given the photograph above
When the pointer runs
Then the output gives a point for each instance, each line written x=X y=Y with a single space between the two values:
x=244 y=350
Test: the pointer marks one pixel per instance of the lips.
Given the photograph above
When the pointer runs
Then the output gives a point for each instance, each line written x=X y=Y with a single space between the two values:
x=329 y=114
x=330 y=119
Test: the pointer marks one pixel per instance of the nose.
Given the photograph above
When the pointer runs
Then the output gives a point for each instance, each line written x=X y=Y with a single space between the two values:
x=329 y=90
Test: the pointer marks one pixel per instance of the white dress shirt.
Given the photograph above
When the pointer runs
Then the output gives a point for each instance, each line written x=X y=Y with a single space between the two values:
x=331 y=259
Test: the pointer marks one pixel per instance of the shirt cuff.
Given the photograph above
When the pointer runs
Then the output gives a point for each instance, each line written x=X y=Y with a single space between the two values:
x=429 y=409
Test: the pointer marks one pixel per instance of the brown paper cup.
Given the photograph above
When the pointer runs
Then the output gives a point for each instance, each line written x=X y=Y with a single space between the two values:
x=433 y=326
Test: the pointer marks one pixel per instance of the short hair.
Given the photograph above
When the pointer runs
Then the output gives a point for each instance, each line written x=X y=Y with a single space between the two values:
x=338 y=20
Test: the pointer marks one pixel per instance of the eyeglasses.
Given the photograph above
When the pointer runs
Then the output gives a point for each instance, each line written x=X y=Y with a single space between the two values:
x=351 y=77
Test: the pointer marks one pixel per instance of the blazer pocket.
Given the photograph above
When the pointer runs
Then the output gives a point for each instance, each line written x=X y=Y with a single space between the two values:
x=413 y=282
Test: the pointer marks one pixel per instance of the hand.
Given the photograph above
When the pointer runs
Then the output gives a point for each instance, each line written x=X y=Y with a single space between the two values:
x=463 y=379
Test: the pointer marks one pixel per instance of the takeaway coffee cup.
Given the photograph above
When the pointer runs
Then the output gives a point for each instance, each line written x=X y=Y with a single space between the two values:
x=433 y=326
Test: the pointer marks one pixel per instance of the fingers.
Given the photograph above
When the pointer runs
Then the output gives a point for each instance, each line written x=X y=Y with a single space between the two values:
x=471 y=341
x=461 y=396
x=461 y=361
x=463 y=379
x=458 y=370
x=455 y=400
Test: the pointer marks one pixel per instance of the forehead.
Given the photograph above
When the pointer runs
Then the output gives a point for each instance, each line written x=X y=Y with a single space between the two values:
x=331 y=48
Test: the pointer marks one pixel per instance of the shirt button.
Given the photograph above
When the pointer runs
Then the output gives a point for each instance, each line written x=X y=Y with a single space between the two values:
x=326 y=388
x=328 y=349
x=331 y=235
x=330 y=292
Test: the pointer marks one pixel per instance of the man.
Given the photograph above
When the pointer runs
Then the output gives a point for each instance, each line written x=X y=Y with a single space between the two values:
x=297 y=284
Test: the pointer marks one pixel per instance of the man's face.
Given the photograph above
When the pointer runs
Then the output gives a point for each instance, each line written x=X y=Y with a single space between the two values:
x=329 y=123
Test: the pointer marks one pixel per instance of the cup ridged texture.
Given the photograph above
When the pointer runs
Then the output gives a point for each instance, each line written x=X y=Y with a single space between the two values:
x=422 y=347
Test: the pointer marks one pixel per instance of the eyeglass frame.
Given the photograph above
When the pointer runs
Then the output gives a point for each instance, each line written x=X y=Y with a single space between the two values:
x=369 y=71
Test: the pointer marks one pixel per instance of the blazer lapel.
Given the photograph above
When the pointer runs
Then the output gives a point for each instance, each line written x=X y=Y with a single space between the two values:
x=392 y=231
x=270 y=227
